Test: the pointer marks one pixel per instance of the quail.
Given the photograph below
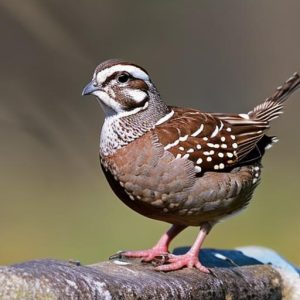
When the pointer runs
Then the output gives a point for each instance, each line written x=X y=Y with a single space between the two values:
x=178 y=165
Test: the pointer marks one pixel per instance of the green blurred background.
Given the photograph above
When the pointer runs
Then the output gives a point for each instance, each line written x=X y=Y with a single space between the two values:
x=221 y=56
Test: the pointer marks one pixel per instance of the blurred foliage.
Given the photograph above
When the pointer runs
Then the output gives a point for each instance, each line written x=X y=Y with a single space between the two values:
x=216 y=56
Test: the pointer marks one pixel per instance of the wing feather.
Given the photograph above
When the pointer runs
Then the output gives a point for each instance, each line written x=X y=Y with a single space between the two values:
x=211 y=141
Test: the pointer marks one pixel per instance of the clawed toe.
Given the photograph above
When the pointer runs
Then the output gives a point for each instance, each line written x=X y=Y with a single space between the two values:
x=167 y=262
x=148 y=255
x=175 y=262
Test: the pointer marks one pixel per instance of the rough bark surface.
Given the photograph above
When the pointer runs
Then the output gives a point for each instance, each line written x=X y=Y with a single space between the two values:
x=233 y=276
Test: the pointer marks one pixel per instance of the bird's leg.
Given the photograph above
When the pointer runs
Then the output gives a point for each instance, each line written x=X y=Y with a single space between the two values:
x=161 y=248
x=191 y=258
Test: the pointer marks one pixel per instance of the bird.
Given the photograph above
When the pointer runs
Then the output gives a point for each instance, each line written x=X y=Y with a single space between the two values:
x=178 y=165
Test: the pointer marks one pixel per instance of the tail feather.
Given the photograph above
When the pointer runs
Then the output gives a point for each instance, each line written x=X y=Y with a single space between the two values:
x=273 y=106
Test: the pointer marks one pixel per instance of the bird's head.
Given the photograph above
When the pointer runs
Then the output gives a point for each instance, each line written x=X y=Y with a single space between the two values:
x=121 y=87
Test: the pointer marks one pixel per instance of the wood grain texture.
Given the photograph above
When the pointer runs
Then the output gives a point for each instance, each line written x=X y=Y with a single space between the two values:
x=236 y=277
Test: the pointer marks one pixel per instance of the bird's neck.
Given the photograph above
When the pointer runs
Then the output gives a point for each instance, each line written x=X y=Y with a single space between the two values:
x=120 y=129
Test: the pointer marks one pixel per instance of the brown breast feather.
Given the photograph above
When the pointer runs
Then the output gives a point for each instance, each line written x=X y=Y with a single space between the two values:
x=151 y=181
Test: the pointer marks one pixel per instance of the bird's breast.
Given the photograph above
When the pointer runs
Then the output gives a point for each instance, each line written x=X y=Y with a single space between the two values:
x=152 y=182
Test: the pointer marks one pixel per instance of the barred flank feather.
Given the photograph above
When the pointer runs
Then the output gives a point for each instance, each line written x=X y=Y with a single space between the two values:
x=273 y=106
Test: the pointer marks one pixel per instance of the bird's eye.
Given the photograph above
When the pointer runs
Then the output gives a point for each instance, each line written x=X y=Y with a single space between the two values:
x=123 y=78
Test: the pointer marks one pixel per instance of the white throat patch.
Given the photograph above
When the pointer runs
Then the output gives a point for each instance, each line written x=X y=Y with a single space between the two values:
x=112 y=107
x=136 y=95
x=108 y=101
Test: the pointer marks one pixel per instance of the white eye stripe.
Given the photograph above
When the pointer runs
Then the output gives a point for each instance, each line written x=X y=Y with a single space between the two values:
x=133 y=70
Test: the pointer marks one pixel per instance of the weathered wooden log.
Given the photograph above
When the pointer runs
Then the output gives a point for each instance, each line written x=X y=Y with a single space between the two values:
x=234 y=275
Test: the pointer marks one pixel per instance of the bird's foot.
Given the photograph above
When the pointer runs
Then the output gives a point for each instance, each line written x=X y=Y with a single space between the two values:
x=149 y=254
x=177 y=262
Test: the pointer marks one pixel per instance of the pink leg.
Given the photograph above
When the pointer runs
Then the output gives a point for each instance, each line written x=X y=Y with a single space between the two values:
x=161 y=248
x=191 y=258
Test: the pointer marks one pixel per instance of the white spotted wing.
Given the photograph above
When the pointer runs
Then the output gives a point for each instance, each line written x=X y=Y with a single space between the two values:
x=213 y=142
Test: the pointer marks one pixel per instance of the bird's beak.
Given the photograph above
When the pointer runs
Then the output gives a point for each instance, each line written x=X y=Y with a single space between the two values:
x=89 y=89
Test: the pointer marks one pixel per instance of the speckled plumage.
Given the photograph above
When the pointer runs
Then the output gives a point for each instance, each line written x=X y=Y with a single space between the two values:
x=179 y=165
x=156 y=184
